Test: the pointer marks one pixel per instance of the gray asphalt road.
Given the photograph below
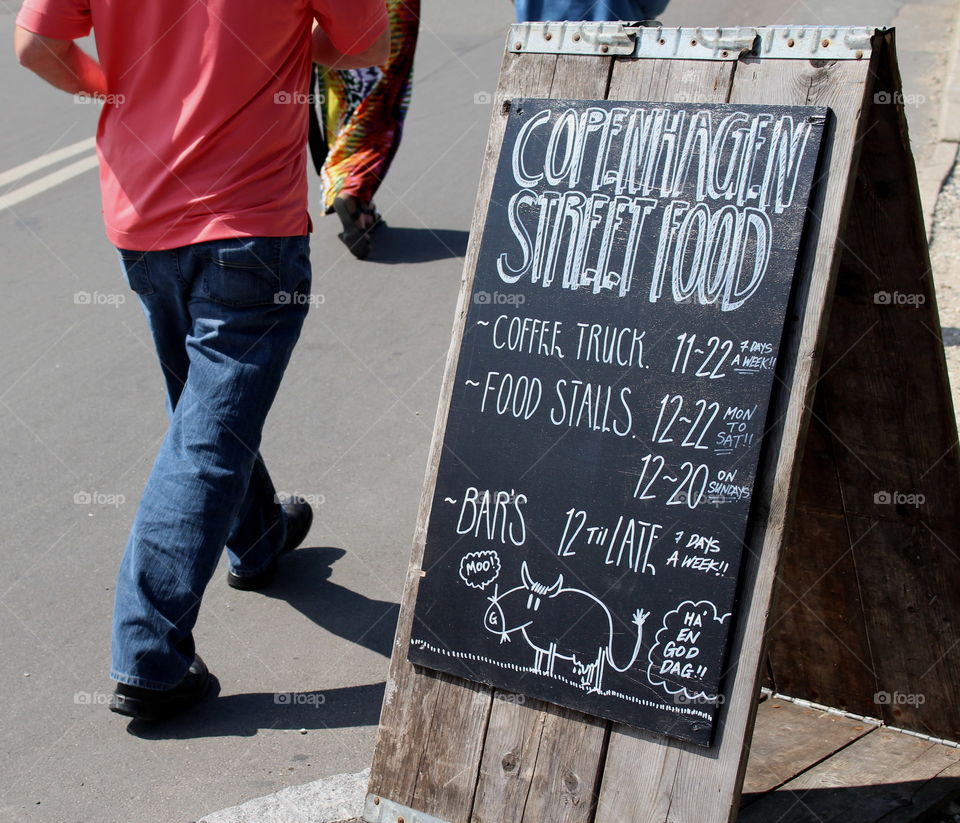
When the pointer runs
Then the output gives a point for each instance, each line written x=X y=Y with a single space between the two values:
x=81 y=416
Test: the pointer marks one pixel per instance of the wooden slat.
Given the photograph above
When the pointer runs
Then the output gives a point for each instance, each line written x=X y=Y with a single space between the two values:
x=790 y=739
x=411 y=765
x=567 y=772
x=678 y=81
x=509 y=758
x=885 y=776
x=664 y=781
x=554 y=778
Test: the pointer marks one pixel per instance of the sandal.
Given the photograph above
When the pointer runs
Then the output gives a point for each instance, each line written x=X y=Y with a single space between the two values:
x=354 y=237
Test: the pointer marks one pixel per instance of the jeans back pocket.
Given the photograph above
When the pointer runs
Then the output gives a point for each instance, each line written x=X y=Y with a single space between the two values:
x=243 y=271
x=136 y=270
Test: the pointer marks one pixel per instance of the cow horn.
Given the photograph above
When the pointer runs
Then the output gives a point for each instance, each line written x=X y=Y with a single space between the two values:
x=554 y=590
x=525 y=576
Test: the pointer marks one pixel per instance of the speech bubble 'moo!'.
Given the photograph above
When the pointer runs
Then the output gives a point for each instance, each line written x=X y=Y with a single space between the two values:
x=479 y=569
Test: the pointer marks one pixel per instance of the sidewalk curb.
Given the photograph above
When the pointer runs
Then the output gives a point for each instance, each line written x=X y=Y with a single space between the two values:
x=337 y=799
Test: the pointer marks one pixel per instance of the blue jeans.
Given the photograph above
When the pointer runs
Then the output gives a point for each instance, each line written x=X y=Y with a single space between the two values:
x=225 y=316
x=594 y=10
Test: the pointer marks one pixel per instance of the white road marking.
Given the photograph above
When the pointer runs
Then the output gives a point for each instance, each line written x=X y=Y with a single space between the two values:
x=48 y=181
x=45 y=160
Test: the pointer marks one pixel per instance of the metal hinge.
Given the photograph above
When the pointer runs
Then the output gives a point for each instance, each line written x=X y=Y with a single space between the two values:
x=379 y=809
x=809 y=704
x=572 y=38
x=701 y=43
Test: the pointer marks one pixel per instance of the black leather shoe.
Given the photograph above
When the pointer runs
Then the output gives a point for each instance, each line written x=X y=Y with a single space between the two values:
x=157 y=704
x=299 y=519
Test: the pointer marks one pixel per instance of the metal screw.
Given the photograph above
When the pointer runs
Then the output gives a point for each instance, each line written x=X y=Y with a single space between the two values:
x=724 y=54
x=859 y=55
x=399 y=820
x=548 y=36
x=576 y=38
x=662 y=42
x=518 y=46
x=825 y=43
x=604 y=49
x=790 y=43
x=693 y=42
x=376 y=801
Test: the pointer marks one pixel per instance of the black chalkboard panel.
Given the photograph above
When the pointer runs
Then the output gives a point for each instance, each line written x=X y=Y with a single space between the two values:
x=609 y=404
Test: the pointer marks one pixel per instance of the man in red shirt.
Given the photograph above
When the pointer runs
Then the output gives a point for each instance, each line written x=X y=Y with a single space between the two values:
x=203 y=178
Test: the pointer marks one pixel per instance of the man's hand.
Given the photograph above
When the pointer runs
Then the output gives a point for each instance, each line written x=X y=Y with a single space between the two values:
x=326 y=55
x=62 y=63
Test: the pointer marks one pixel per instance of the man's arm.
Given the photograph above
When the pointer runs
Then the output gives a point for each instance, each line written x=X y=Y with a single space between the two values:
x=326 y=54
x=62 y=63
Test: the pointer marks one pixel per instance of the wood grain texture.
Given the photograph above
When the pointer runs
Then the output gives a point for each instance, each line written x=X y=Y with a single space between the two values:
x=885 y=776
x=509 y=759
x=681 y=784
x=415 y=758
x=666 y=81
x=568 y=768
x=790 y=739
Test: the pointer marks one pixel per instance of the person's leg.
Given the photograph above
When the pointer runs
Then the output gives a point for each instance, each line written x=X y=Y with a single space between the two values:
x=260 y=525
x=245 y=319
x=365 y=112
x=166 y=306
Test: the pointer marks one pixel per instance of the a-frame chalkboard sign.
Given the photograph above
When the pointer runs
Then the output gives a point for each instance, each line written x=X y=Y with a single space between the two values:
x=665 y=220
x=613 y=382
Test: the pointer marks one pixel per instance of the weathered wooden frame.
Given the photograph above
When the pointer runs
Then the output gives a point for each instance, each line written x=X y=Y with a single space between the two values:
x=455 y=751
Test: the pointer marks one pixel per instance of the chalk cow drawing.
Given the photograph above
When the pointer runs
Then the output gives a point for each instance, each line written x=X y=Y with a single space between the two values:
x=539 y=612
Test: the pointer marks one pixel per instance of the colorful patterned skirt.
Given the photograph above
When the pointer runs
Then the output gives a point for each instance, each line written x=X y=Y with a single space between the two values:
x=358 y=121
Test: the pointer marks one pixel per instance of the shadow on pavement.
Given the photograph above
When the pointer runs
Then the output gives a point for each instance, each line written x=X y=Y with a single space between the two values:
x=405 y=245
x=243 y=715
x=303 y=582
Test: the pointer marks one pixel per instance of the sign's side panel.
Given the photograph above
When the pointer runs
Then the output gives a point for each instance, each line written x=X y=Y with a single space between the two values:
x=606 y=418
x=897 y=464
x=706 y=789
x=414 y=758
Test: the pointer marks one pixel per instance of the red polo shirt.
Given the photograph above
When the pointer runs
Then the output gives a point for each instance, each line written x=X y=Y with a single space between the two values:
x=203 y=136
